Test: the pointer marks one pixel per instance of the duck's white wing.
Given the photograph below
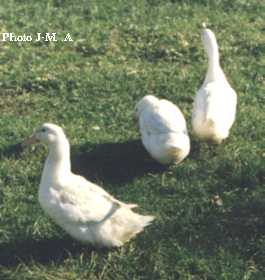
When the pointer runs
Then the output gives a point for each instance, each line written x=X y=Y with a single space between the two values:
x=164 y=118
x=87 y=203
x=201 y=103
x=216 y=103
x=98 y=190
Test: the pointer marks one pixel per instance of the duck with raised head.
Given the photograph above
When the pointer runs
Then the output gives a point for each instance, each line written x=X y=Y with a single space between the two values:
x=87 y=212
x=214 y=105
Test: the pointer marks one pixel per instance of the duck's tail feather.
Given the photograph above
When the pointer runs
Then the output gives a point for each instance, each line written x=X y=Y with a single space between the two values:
x=132 y=205
x=144 y=221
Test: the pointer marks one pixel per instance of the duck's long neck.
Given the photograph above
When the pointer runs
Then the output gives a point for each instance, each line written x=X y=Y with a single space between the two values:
x=57 y=165
x=214 y=68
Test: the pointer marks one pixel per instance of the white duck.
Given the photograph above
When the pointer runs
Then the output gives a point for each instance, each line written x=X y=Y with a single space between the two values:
x=83 y=209
x=214 y=106
x=163 y=128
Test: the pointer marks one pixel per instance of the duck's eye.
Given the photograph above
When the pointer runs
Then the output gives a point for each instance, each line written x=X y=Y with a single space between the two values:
x=136 y=109
x=43 y=130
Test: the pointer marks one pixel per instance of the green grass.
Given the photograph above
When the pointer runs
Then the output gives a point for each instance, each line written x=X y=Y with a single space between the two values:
x=130 y=49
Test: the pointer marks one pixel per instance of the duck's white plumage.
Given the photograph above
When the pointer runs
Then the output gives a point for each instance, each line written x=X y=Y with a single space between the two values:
x=87 y=212
x=163 y=128
x=214 y=106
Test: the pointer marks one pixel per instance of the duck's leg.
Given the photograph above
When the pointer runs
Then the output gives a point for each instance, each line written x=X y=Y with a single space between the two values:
x=75 y=242
x=149 y=158
x=216 y=141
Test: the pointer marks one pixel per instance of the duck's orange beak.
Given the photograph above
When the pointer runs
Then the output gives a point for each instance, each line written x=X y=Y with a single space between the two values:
x=32 y=140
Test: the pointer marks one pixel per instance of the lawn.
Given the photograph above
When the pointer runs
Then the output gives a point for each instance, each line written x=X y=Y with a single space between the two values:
x=210 y=209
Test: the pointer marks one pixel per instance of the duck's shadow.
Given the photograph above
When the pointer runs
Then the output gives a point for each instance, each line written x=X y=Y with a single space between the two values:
x=115 y=163
x=42 y=251
x=12 y=253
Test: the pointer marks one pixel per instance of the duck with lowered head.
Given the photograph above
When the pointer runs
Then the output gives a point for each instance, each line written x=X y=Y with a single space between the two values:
x=163 y=128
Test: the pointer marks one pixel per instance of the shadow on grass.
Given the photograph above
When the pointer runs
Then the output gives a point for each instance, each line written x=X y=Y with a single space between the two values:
x=13 y=150
x=114 y=163
x=13 y=253
x=48 y=250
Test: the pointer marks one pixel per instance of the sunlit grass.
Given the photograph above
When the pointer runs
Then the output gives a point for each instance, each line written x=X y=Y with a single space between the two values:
x=209 y=209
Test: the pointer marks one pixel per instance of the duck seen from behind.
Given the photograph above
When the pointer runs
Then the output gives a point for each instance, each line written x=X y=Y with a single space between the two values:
x=214 y=106
x=87 y=212
x=163 y=129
